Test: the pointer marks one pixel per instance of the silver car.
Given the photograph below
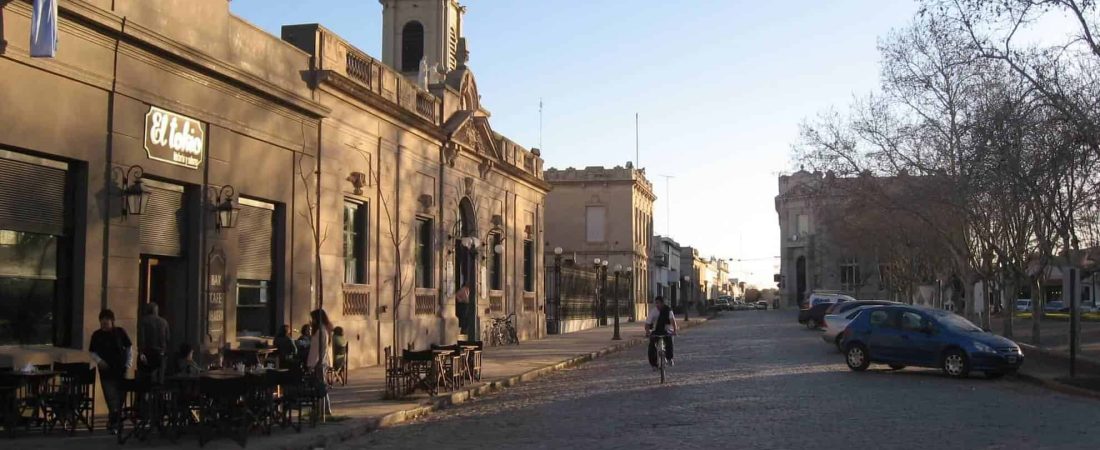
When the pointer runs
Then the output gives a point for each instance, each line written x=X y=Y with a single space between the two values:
x=836 y=323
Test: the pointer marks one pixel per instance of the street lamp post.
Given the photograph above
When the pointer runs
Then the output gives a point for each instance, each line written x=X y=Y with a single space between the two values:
x=618 y=293
x=687 y=306
x=557 y=290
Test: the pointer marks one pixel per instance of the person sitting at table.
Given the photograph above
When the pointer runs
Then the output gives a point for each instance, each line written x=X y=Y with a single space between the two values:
x=303 y=340
x=287 y=350
x=339 y=346
x=185 y=361
x=112 y=352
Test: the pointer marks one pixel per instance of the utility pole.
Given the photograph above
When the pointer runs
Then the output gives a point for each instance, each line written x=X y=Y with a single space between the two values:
x=637 y=147
x=540 y=123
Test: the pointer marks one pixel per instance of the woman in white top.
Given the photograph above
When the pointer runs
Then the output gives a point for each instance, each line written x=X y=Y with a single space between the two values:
x=320 y=357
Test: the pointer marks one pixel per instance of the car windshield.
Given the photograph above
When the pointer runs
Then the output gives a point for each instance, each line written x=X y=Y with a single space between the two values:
x=957 y=323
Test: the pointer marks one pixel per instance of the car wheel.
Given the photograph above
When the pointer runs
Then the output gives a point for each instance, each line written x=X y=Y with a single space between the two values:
x=896 y=366
x=956 y=364
x=857 y=358
x=994 y=375
x=811 y=324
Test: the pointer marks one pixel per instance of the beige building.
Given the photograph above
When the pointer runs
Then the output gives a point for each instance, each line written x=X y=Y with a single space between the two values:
x=120 y=157
x=604 y=213
x=420 y=197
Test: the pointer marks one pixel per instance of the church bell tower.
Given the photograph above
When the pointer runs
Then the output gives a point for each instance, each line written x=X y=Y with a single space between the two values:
x=413 y=30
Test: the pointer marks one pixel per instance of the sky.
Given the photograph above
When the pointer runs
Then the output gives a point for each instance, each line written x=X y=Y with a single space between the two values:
x=720 y=87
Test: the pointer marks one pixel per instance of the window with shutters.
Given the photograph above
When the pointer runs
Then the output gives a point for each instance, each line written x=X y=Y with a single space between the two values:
x=424 y=260
x=356 y=243
x=255 y=274
x=35 y=251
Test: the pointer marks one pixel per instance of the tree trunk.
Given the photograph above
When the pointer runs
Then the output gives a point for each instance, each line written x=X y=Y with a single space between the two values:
x=1008 y=304
x=1037 y=303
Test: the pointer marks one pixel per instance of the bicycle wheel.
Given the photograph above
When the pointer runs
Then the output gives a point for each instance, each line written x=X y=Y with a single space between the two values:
x=513 y=338
x=661 y=364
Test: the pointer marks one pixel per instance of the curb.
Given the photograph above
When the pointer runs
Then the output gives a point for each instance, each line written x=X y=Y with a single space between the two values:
x=1059 y=387
x=353 y=428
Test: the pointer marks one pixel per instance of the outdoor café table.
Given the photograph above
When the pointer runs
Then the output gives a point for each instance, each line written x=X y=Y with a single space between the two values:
x=33 y=392
x=440 y=364
x=251 y=356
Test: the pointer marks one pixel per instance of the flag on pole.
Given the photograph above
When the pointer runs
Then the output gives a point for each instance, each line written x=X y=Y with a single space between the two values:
x=44 y=29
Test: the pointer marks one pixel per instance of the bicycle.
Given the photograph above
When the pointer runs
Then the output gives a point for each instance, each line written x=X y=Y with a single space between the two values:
x=502 y=332
x=661 y=358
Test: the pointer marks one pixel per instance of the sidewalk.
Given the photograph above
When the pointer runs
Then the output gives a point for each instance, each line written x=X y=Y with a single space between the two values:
x=360 y=408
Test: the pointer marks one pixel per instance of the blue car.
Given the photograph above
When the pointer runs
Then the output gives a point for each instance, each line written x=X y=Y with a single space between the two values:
x=915 y=336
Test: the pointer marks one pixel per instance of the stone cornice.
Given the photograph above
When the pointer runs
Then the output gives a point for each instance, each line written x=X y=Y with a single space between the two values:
x=140 y=36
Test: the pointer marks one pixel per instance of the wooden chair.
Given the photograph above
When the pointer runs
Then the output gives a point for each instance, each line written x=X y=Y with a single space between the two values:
x=425 y=370
x=455 y=365
x=473 y=358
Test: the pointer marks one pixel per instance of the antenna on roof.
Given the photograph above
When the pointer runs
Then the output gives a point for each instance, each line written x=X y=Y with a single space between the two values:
x=540 y=123
x=637 y=153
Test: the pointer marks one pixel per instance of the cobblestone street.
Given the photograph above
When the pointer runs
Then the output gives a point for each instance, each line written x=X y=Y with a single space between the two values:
x=754 y=379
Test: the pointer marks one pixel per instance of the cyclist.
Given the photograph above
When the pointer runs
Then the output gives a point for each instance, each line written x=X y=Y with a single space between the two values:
x=660 y=324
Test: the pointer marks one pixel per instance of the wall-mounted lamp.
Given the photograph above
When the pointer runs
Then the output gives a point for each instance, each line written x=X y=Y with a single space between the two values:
x=134 y=195
x=226 y=210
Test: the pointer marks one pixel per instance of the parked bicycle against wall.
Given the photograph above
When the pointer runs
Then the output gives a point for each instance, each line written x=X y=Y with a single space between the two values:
x=502 y=331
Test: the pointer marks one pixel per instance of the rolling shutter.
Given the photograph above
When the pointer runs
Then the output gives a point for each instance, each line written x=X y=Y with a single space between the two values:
x=162 y=223
x=255 y=240
x=32 y=197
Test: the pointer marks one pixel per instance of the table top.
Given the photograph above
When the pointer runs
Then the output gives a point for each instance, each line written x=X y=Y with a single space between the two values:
x=35 y=374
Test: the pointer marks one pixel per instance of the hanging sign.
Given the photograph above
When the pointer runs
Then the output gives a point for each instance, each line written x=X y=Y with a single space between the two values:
x=174 y=138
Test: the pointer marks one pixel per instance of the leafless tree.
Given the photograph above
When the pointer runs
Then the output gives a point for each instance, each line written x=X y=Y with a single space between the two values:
x=310 y=182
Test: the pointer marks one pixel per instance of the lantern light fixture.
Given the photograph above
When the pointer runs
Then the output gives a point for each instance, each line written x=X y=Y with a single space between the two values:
x=226 y=210
x=134 y=195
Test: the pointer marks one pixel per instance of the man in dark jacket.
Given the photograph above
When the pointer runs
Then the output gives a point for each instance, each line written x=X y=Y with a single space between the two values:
x=110 y=349
x=152 y=344
x=660 y=324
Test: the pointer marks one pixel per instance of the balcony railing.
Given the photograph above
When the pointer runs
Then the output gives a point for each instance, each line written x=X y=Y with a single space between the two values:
x=425 y=304
x=356 y=300
x=496 y=303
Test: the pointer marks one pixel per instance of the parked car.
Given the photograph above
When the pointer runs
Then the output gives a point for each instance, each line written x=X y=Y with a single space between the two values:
x=761 y=304
x=722 y=304
x=1023 y=304
x=917 y=336
x=1055 y=306
x=816 y=300
x=838 y=317
x=814 y=316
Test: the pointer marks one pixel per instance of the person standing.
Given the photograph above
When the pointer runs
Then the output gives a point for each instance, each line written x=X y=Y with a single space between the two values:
x=153 y=336
x=111 y=351
x=320 y=351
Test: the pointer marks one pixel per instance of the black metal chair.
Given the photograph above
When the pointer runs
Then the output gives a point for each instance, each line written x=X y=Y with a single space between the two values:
x=9 y=402
x=71 y=402
x=299 y=393
x=260 y=400
x=137 y=411
x=224 y=411
x=338 y=373
x=425 y=370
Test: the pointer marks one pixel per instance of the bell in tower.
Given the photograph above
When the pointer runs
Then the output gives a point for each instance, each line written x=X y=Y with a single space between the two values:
x=419 y=33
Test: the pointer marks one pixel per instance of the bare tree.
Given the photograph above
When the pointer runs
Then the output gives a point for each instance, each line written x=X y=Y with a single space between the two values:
x=312 y=215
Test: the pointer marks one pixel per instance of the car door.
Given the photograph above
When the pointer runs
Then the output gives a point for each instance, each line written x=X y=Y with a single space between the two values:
x=916 y=345
x=882 y=337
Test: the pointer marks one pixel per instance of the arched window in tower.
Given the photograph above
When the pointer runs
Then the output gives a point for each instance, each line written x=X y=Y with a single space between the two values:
x=412 y=46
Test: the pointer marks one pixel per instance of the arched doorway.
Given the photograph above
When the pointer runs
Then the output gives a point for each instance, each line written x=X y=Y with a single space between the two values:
x=800 y=281
x=466 y=270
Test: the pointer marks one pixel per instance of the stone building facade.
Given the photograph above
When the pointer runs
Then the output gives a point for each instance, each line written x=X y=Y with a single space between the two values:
x=604 y=213
x=305 y=141
x=667 y=280
x=813 y=256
